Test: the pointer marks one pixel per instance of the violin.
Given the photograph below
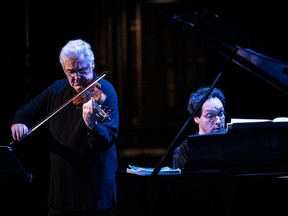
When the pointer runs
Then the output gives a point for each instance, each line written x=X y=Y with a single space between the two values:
x=95 y=92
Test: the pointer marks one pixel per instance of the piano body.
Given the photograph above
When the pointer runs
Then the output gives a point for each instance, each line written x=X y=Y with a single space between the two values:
x=240 y=172
x=259 y=148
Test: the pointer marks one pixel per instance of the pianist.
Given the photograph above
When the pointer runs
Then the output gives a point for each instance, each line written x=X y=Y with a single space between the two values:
x=209 y=119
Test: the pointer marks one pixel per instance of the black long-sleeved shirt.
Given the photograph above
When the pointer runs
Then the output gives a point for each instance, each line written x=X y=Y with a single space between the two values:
x=83 y=162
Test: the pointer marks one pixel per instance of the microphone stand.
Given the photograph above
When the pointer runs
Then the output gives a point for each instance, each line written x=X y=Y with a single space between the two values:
x=172 y=146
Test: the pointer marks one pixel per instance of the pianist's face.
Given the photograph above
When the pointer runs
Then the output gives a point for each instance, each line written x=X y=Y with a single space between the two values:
x=212 y=118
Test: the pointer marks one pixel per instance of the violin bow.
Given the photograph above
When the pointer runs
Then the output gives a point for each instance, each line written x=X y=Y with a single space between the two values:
x=62 y=106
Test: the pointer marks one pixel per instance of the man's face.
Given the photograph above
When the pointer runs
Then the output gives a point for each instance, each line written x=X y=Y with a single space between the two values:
x=212 y=118
x=78 y=73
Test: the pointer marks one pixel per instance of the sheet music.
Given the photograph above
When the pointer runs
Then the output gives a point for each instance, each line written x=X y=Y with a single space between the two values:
x=143 y=171
x=238 y=123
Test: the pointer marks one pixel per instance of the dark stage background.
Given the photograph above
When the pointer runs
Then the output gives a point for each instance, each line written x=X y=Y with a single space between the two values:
x=154 y=66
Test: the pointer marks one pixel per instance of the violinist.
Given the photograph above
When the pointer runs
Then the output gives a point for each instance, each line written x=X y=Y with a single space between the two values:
x=83 y=155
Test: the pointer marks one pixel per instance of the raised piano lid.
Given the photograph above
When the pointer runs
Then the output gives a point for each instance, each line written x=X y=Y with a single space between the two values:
x=268 y=67
x=235 y=45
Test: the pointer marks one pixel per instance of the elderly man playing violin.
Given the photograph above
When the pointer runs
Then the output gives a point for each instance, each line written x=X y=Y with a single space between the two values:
x=83 y=156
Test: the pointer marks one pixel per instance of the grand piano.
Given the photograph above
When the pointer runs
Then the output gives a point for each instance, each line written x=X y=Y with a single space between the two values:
x=243 y=171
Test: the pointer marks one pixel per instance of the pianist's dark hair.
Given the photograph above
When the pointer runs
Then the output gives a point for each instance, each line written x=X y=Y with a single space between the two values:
x=196 y=97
